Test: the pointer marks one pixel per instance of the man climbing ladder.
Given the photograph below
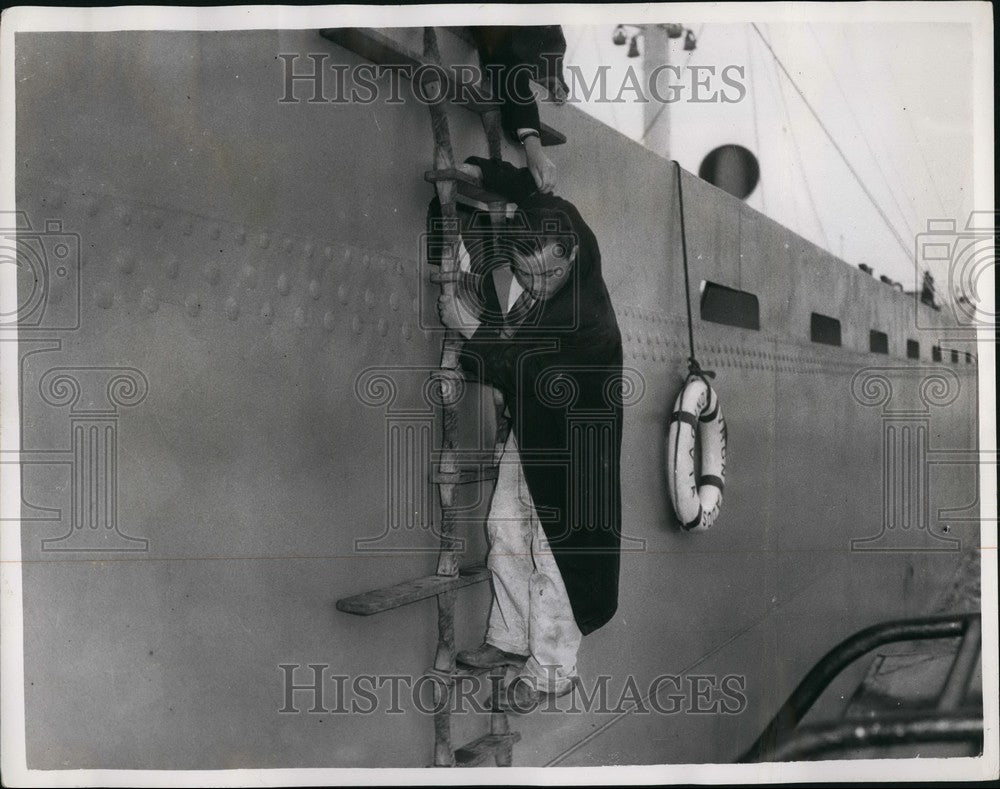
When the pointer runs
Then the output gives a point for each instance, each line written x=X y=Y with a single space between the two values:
x=450 y=472
x=557 y=359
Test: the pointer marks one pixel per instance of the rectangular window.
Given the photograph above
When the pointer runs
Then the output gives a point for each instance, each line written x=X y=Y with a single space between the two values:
x=878 y=342
x=968 y=358
x=912 y=349
x=936 y=353
x=731 y=307
x=824 y=329
x=954 y=357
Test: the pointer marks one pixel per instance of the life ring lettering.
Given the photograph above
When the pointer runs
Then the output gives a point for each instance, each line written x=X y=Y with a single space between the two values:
x=696 y=420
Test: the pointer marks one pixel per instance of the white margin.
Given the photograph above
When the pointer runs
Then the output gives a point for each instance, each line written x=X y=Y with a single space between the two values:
x=36 y=19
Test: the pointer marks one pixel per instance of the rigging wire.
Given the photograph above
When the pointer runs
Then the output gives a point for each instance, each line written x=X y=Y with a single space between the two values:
x=659 y=112
x=892 y=164
x=916 y=139
x=881 y=212
x=922 y=268
x=864 y=136
x=784 y=128
x=801 y=163
x=755 y=108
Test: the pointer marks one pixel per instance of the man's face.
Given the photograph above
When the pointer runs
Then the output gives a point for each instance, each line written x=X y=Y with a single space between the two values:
x=545 y=271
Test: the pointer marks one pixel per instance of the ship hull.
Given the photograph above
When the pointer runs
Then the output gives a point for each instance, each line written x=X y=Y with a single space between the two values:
x=252 y=269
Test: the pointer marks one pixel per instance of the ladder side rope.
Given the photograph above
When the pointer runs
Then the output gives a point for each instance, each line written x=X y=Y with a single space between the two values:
x=451 y=384
x=449 y=377
x=448 y=383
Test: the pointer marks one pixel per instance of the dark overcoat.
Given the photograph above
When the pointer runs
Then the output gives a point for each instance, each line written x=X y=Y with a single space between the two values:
x=560 y=373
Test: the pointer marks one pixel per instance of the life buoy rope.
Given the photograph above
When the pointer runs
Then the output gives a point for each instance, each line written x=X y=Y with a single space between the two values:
x=696 y=419
x=696 y=499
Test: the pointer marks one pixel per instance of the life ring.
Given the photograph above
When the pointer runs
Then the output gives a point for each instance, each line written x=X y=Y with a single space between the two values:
x=696 y=418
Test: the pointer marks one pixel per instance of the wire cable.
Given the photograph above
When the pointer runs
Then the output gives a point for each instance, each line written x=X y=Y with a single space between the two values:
x=907 y=251
x=864 y=136
x=802 y=166
x=919 y=267
x=659 y=112
x=754 y=109
x=916 y=139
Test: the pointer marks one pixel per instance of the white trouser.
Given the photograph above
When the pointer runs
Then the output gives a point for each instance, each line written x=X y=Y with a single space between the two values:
x=531 y=613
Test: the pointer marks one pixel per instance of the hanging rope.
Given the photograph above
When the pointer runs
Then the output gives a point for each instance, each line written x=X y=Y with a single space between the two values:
x=693 y=367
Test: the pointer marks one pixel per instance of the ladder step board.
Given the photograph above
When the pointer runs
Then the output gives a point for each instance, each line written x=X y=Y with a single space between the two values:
x=390 y=597
x=376 y=46
x=478 y=751
x=465 y=476
x=471 y=671
x=462 y=671
x=467 y=185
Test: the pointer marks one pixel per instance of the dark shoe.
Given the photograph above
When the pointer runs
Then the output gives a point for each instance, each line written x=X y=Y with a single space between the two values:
x=523 y=697
x=489 y=656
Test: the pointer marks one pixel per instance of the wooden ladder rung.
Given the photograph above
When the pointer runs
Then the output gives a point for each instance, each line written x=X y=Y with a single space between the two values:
x=389 y=597
x=478 y=751
x=376 y=46
x=464 y=476
x=471 y=671
x=467 y=185
x=461 y=671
